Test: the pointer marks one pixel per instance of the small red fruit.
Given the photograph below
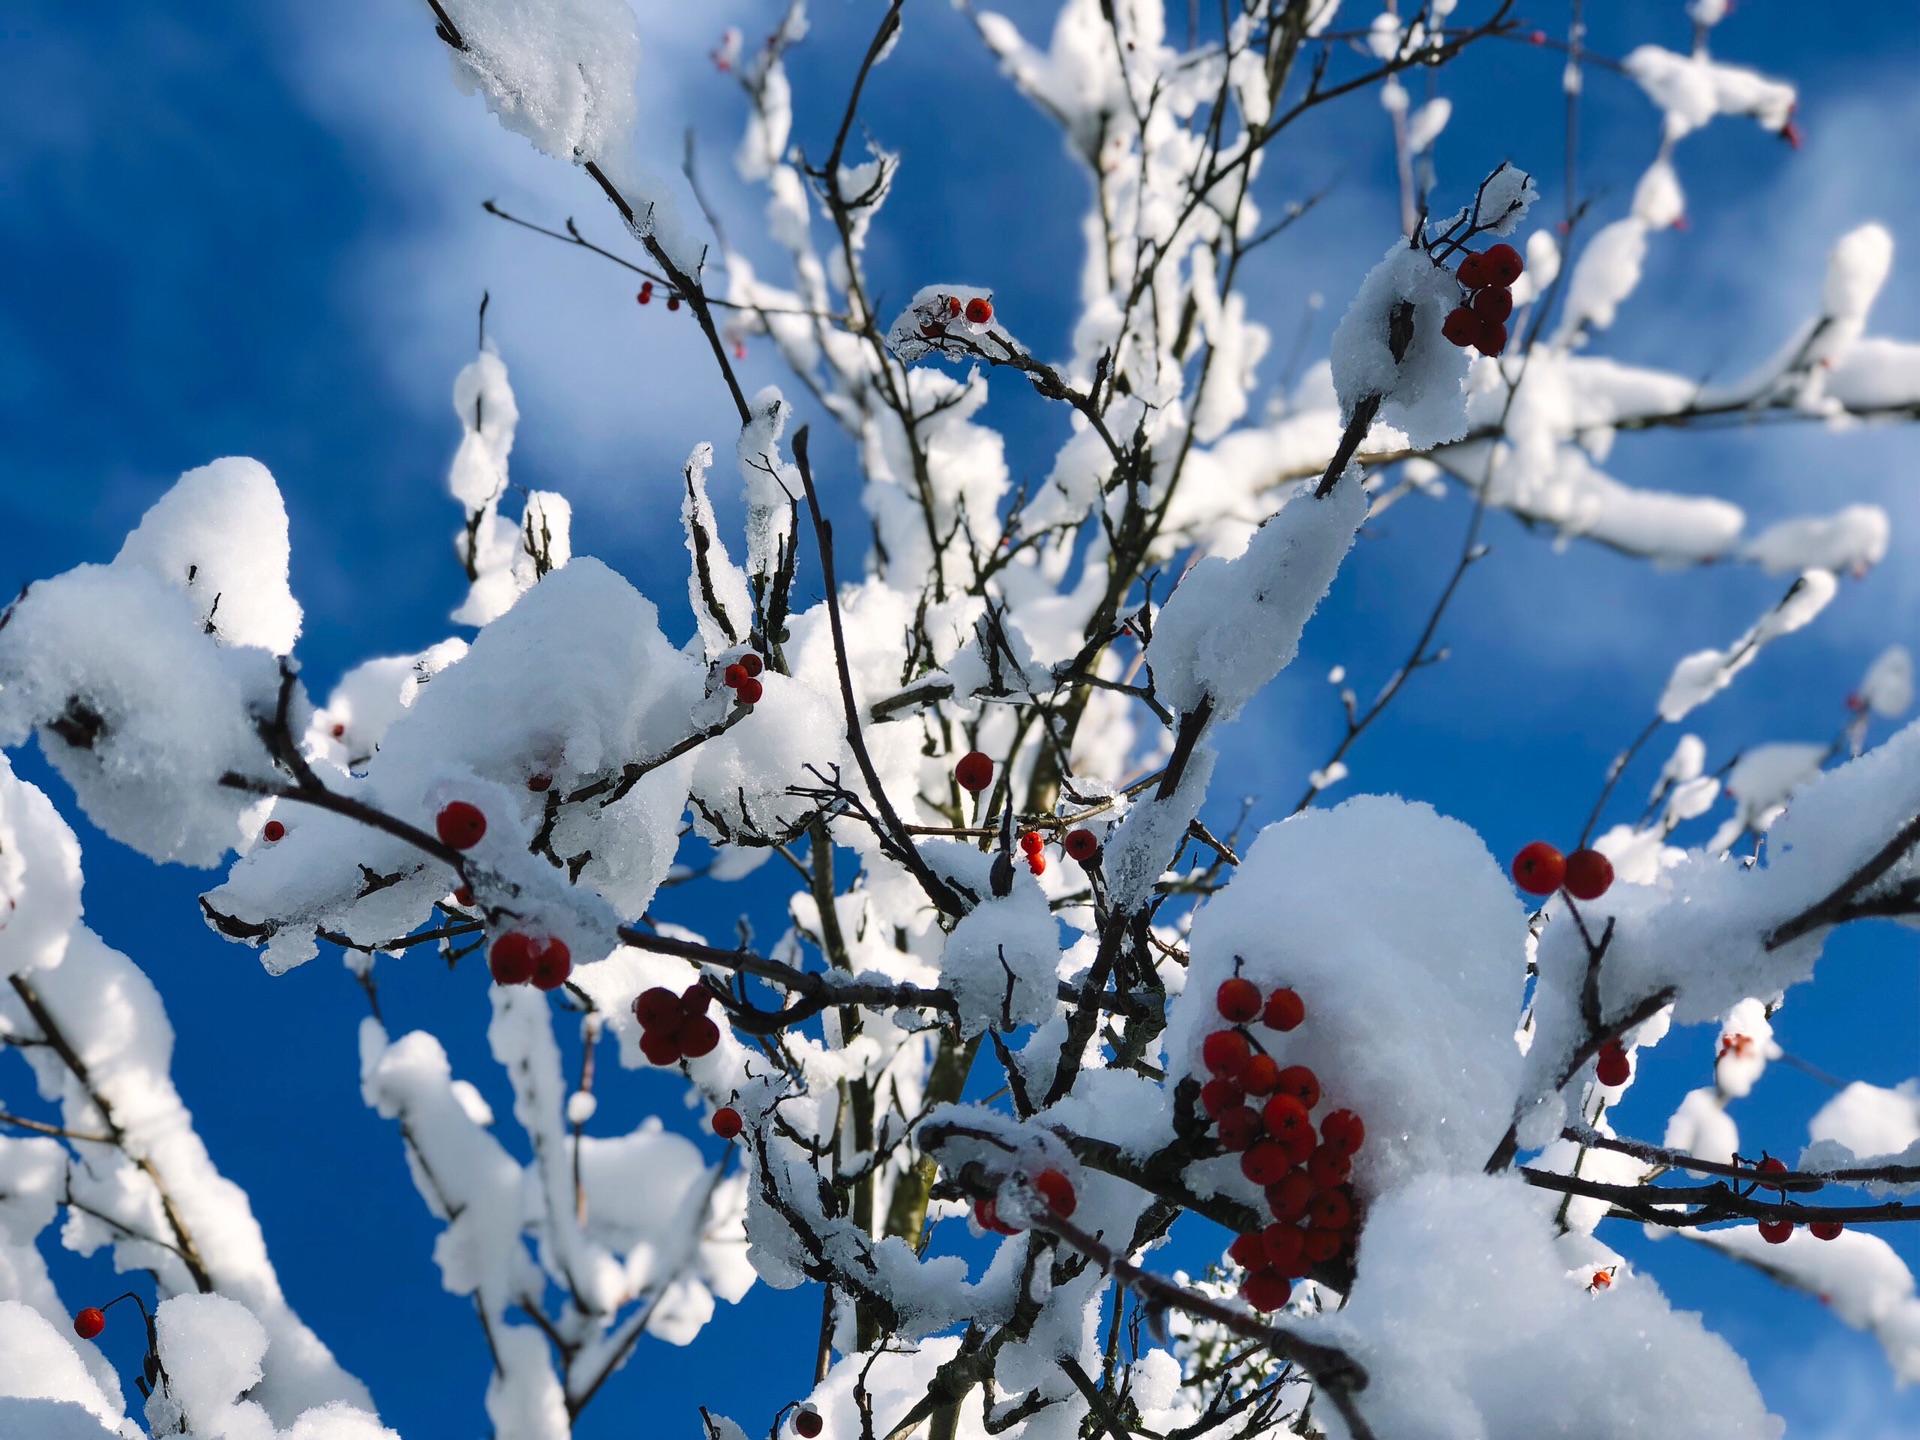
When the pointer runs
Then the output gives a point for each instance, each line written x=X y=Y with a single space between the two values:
x=1057 y=1191
x=1284 y=1245
x=1218 y=1096
x=1613 y=1068
x=1266 y=1163
x=1285 y=1010
x=89 y=1323
x=696 y=999
x=1226 y=1052
x=273 y=830
x=974 y=771
x=1775 y=1232
x=1286 y=1117
x=1329 y=1167
x=1539 y=868
x=1261 y=1075
x=1266 y=1290
x=1239 y=1128
x=339 y=731
x=749 y=691
x=987 y=1214
x=1330 y=1210
x=1238 y=999
x=1502 y=264
x=538 y=783
x=1082 y=845
x=807 y=1422
x=1589 y=874
x=953 y=304
x=1037 y=864
x=658 y=1008
x=1461 y=327
x=727 y=1123
x=645 y=297
x=1031 y=842
x=1473 y=272
x=1323 y=1245
x=1301 y=1083
x=1826 y=1229
x=1770 y=1165
x=979 y=310
x=698 y=1035
x=1494 y=304
x=1492 y=338
x=554 y=965
x=673 y=302
x=1248 y=1251
x=751 y=663
x=464 y=896
x=733 y=675
x=1289 y=1199
x=1344 y=1130
x=512 y=959
x=660 y=1047
x=460 y=825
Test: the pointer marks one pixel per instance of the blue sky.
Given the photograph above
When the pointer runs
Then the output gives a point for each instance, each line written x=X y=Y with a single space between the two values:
x=254 y=228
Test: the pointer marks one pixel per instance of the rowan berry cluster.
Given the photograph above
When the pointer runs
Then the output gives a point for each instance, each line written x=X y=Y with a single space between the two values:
x=1776 y=1232
x=742 y=678
x=1050 y=1185
x=519 y=959
x=1487 y=276
x=675 y=1027
x=1539 y=869
x=1315 y=1214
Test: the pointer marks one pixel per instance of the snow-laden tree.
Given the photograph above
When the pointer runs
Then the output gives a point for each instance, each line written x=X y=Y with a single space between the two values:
x=984 y=754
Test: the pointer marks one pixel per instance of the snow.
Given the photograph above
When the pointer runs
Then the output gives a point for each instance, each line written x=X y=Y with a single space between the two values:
x=1887 y=687
x=560 y=72
x=1852 y=539
x=1693 y=89
x=1702 y=1127
x=39 y=1363
x=1423 y=391
x=1697 y=678
x=1870 y=1119
x=1002 y=960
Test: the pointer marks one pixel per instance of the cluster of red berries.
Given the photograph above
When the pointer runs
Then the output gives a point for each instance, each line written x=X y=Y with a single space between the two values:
x=1539 y=869
x=1314 y=1213
x=1081 y=845
x=673 y=1026
x=1052 y=1186
x=1488 y=277
x=645 y=297
x=742 y=678
x=1775 y=1232
x=519 y=959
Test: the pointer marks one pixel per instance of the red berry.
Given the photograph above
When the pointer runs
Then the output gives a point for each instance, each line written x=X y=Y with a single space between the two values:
x=749 y=691
x=1330 y=1210
x=1261 y=1075
x=987 y=1214
x=673 y=302
x=1226 y=1052
x=1057 y=1191
x=1265 y=1164
x=696 y=999
x=751 y=663
x=1589 y=874
x=1461 y=327
x=1344 y=1130
x=953 y=304
x=1494 y=304
x=464 y=896
x=1285 y=1010
x=1473 y=272
x=1502 y=264
x=1238 y=999
x=660 y=1047
x=1289 y=1199
x=1248 y=1251
x=1218 y=1096
x=727 y=1123
x=1299 y=1146
x=1826 y=1229
x=1539 y=868
x=807 y=1423
x=698 y=1035
x=979 y=310
x=1323 y=1245
x=1031 y=842
x=1492 y=338
x=553 y=967
x=974 y=771
x=1301 y=1083
x=1613 y=1068
x=1266 y=1290
x=273 y=830
x=1239 y=1128
x=658 y=1009
x=1775 y=1232
x=512 y=959
x=733 y=675
x=645 y=297
x=1037 y=864
x=460 y=825
x=1329 y=1166
x=1082 y=845
x=1286 y=1117
x=1769 y=1165
x=89 y=1323
x=539 y=782
x=1283 y=1244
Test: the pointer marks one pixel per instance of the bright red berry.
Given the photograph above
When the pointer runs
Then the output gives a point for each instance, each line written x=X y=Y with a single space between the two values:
x=1031 y=842
x=733 y=675
x=460 y=825
x=1323 y=1245
x=1539 y=868
x=974 y=771
x=1266 y=1163
x=1494 y=304
x=659 y=1009
x=512 y=959
x=1290 y=1197
x=698 y=1035
x=1226 y=1052
x=1492 y=338
x=273 y=830
x=1248 y=1251
x=1037 y=864
x=1283 y=1245
x=1238 y=999
x=1286 y=1117
x=554 y=965
x=1771 y=1165
x=1775 y=1232
x=696 y=999
x=807 y=1422
x=727 y=1123
x=1057 y=1191
x=660 y=1047
x=1239 y=1128
x=1344 y=1130
x=1461 y=327
x=1266 y=1290
x=1330 y=1210
x=751 y=663
x=979 y=310
x=1301 y=1083
x=1285 y=1010
x=953 y=304
x=89 y=1323
x=1218 y=1096
x=645 y=297
x=1261 y=1075
x=1082 y=845
x=1502 y=264
x=673 y=302
x=1329 y=1167
x=1473 y=271
x=1613 y=1068
x=1589 y=874
x=987 y=1214
x=1826 y=1229
x=749 y=691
